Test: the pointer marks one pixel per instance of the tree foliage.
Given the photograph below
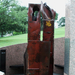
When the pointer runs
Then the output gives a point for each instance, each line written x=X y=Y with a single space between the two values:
x=56 y=16
x=12 y=17
x=61 y=22
x=19 y=17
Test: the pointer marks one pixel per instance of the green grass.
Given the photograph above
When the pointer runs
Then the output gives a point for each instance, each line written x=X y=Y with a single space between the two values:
x=59 y=32
x=11 y=40
x=18 y=39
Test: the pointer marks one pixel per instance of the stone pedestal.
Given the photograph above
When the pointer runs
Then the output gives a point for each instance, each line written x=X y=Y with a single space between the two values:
x=69 y=68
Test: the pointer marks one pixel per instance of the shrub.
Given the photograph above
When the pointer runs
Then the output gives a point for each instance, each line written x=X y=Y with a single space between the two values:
x=17 y=33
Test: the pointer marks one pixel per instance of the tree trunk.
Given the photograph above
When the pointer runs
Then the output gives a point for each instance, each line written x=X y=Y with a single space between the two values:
x=1 y=34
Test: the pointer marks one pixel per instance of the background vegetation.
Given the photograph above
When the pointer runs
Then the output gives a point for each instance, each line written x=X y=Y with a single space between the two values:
x=14 y=19
x=22 y=38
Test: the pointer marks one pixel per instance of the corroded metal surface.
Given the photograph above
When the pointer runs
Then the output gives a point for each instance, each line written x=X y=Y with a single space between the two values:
x=33 y=26
x=39 y=54
x=38 y=57
x=48 y=34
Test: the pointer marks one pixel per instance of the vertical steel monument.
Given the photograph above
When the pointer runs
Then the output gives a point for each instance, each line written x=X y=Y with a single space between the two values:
x=39 y=56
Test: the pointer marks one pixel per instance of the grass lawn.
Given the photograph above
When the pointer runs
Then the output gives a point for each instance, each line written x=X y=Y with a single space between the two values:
x=18 y=39
x=59 y=32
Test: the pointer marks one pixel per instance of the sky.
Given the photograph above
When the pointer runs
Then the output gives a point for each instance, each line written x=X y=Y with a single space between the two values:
x=57 y=5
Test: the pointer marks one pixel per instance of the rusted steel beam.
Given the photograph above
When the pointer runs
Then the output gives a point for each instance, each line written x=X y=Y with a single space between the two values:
x=39 y=54
x=38 y=57
x=34 y=22
x=48 y=32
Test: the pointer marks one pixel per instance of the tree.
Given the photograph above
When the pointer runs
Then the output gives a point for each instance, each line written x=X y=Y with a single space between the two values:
x=2 y=21
x=12 y=17
x=20 y=18
x=61 y=22
x=56 y=16
x=5 y=6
